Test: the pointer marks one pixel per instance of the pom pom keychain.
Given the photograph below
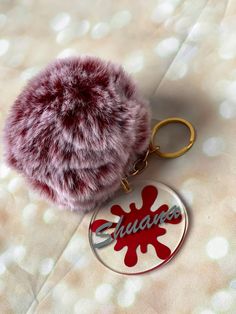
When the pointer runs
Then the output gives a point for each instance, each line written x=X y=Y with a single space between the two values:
x=77 y=132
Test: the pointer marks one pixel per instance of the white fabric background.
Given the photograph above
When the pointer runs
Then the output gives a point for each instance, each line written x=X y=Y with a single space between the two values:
x=182 y=55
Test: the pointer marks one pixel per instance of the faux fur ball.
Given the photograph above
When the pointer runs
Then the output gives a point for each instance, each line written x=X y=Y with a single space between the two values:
x=76 y=129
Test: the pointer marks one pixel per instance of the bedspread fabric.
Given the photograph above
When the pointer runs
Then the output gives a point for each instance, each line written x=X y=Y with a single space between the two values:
x=182 y=55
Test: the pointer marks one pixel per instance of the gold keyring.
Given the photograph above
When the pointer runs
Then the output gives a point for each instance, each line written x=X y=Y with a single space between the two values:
x=180 y=152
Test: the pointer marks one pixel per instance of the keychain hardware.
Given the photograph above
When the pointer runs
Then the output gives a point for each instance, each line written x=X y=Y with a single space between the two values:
x=142 y=163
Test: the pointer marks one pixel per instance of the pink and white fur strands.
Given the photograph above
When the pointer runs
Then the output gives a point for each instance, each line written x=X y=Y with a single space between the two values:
x=75 y=131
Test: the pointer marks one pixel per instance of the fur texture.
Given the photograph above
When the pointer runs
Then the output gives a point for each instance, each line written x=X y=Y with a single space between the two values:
x=76 y=129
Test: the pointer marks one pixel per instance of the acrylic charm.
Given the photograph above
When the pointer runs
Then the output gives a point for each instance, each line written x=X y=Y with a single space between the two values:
x=139 y=231
x=142 y=229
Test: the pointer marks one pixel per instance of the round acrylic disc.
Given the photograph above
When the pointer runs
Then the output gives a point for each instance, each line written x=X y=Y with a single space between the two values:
x=139 y=231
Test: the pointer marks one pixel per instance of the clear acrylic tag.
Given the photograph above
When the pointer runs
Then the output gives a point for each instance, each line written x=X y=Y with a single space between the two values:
x=139 y=231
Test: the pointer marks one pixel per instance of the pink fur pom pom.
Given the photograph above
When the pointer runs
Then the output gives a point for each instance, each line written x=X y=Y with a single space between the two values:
x=76 y=129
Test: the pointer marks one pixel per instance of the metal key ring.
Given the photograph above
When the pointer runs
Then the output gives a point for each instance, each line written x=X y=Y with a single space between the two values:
x=156 y=149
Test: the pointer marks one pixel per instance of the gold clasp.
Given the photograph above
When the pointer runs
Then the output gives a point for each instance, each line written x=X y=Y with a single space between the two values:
x=142 y=163
x=180 y=151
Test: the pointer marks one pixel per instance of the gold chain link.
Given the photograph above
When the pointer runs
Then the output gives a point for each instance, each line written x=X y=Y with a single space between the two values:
x=142 y=163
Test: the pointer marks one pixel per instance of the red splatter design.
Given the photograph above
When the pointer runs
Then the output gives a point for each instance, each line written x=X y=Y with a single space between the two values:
x=142 y=237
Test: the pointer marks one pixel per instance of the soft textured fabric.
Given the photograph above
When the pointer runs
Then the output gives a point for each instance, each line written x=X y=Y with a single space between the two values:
x=76 y=129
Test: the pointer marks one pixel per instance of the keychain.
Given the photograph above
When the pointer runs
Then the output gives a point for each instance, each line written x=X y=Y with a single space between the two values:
x=79 y=130
x=124 y=235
